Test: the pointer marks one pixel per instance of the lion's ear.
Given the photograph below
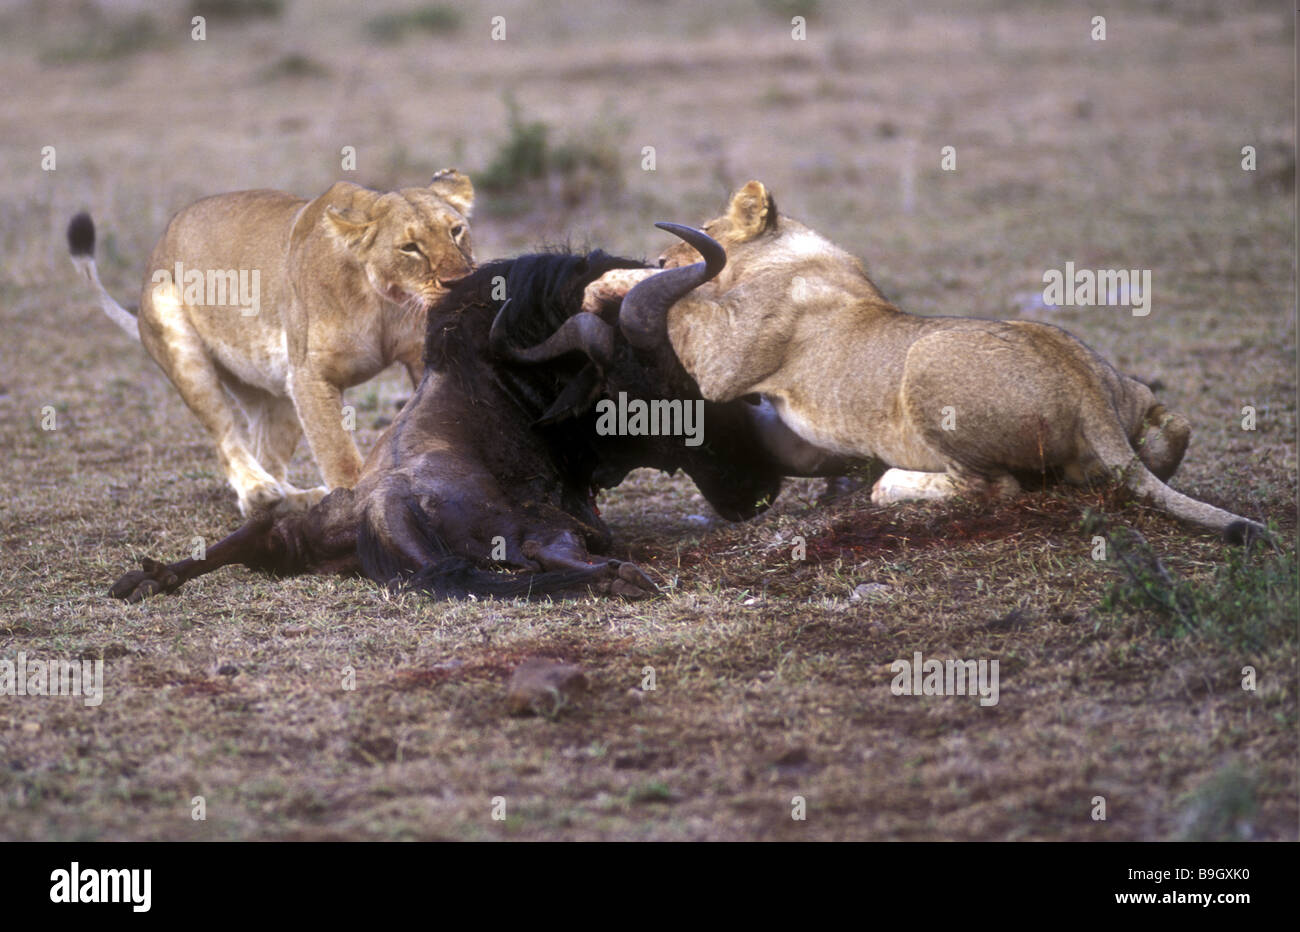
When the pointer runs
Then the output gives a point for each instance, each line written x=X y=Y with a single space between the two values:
x=454 y=188
x=355 y=228
x=351 y=210
x=348 y=220
x=752 y=210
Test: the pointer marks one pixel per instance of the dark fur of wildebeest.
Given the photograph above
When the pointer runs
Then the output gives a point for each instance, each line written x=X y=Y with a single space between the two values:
x=498 y=444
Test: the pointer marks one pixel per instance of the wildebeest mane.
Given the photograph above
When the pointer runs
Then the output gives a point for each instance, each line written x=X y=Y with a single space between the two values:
x=541 y=291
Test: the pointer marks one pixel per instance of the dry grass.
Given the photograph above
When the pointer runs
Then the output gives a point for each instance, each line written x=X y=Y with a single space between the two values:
x=772 y=682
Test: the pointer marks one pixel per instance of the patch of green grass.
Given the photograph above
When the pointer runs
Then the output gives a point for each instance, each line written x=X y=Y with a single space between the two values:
x=527 y=162
x=1221 y=808
x=1251 y=599
x=652 y=791
x=524 y=155
x=436 y=19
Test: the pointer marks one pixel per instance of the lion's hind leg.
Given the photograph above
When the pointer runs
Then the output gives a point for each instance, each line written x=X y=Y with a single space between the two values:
x=181 y=353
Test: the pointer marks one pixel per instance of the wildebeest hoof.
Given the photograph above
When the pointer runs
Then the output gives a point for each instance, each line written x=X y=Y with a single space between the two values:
x=838 y=487
x=631 y=583
x=152 y=579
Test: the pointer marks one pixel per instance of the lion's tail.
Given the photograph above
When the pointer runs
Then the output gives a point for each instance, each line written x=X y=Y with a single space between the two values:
x=1111 y=446
x=81 y=245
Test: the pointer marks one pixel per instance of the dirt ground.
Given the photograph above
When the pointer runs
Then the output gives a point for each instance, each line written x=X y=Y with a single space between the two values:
x=772 y=675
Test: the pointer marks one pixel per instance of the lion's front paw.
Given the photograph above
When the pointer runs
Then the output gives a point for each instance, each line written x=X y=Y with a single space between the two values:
x=153 y=578
x=259 y=497
x=301 y=499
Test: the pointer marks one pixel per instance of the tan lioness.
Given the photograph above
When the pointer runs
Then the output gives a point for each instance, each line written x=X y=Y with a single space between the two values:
x=958 y=405
x=262 y=307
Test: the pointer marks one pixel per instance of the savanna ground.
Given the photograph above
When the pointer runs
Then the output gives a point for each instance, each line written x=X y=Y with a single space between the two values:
x=772 y=680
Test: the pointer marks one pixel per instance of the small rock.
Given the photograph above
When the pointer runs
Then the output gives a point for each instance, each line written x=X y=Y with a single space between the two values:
x=294 y=631
x=697 y=519
x=795 y=762
x=872 y=591
x=636 y=695
x=544 y=687
x=380 y=423
x=1017 y=619
x=228 y=669
x=32 y=728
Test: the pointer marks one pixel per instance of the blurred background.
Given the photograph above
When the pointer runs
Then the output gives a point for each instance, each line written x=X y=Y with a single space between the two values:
x=1057 y=135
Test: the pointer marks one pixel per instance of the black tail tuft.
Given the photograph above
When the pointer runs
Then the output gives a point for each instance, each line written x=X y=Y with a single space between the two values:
x=81 y=235
x=1246 y=533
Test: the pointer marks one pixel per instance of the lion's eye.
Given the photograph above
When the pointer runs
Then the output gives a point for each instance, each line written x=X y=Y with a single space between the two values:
x=457 y=230
x=411 y=249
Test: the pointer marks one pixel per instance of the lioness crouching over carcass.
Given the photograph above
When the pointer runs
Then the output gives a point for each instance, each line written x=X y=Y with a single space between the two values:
x=262 y=307
x=958 y=405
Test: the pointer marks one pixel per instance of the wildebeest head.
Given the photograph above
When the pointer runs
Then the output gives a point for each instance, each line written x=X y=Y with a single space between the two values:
x=555 y=362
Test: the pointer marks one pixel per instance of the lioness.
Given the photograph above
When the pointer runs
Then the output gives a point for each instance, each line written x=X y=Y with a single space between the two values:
x=956 y=404
x=262 y=307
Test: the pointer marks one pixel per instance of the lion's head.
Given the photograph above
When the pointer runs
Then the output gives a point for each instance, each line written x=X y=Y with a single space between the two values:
x=751 y=214
x=412 y=243
x=734 y=297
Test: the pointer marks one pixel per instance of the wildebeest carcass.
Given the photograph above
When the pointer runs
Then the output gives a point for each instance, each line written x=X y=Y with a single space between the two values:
x=485 y=482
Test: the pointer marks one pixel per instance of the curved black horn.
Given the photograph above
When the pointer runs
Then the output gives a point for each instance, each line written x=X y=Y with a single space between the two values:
x=584 y=332
x=644 y=315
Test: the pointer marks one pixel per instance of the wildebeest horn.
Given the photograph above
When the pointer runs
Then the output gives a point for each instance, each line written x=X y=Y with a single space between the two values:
x=584 y=332
x=644 y=315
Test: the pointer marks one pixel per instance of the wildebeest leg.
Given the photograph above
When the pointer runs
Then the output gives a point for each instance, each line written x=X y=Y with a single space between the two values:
x=564 y=551
x=321 y=540
x=397 y=534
